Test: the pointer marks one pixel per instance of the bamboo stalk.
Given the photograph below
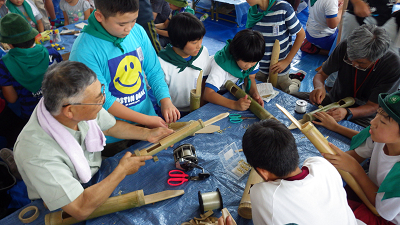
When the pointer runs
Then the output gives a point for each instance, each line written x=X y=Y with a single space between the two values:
x=194 y=100
x=273 y=76
x=244 y=209
x=255 y=108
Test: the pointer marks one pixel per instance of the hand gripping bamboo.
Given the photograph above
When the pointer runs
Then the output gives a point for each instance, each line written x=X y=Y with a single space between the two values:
x=178 y=135
x=255 y=108
x=273 y=76
x=244 y=209
x=114 y=204
x=320 y=142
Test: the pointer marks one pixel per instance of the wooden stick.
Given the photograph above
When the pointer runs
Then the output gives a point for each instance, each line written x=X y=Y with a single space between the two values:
x=180 y=134
x=199 y=81
x=322 y=145
x=273 y=76
x=114 y=204
x=255 y=108
x=244 y=209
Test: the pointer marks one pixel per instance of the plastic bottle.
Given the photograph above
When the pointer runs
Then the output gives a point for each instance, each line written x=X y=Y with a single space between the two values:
x=204 y=17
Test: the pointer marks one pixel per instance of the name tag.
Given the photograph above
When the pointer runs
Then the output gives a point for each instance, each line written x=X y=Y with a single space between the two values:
x=275 y=30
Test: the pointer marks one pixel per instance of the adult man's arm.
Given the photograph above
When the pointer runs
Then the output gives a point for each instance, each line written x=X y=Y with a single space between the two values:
x=95 y=195
x=361 y=8
x=319 y=92
x=361 y=111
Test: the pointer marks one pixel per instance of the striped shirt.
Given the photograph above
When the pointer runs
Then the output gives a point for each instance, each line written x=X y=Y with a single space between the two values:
x=280 y=24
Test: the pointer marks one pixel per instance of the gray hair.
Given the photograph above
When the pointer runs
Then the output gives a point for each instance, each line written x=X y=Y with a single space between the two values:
x=65 y=83
x=367 y=41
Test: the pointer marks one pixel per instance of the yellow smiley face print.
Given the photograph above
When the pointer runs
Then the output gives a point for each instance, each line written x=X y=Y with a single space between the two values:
x=127 y=77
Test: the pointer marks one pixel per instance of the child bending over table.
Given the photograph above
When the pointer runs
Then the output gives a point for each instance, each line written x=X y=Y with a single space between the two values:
x=75 y=10
x=238 y=62
x=28 y=10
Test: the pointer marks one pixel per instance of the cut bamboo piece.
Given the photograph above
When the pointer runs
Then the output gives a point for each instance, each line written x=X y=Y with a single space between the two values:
x=273 y=76
x=114 y=204
x=255 y=108
x=209 y=129
x=180 y=134
x=339 y=35
x=244 y=209
x=343 y=103
x=225 y=214
x=322 y=145
x=195 y=94
x=199 y=81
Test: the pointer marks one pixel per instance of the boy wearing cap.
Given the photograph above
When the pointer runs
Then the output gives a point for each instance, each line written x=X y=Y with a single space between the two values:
x=177 y=6
x=23 y=67
x=381 y=143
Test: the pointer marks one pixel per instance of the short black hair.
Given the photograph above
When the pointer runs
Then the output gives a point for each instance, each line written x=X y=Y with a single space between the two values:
x=269 y=145
x=26 y=44
x=183 y=28
x=113 y=7
x=247 y=45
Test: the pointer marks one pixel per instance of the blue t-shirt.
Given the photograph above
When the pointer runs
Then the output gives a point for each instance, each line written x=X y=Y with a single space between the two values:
x=124 y=74
x=280 y=24
x=27 y=99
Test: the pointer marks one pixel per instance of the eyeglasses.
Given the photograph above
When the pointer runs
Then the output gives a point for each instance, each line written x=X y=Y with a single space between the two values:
x=103 y=93
x=348 y=62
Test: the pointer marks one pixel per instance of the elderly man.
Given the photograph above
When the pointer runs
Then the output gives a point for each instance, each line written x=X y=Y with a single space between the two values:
x=365 y=69
x=60 y=147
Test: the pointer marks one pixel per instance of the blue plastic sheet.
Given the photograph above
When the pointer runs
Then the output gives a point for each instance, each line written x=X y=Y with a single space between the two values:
x=153 y=176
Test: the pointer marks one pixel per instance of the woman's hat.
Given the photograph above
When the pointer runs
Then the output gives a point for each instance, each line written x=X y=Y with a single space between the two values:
x=14 y=29
x=390 y=103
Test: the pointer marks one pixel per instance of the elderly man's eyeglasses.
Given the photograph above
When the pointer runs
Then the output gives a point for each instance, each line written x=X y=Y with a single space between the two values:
x=103 y=93
x=357 y=66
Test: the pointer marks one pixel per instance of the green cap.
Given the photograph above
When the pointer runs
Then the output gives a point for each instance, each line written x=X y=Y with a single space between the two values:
x=14 y=29
x=391 y=104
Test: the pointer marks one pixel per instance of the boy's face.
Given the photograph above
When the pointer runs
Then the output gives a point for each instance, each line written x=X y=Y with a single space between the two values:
x=119 y=25
x=384 y=129
x=173 y=7
x=2 y=2
x=192 y=48
x=245 y=65
x=17 y=2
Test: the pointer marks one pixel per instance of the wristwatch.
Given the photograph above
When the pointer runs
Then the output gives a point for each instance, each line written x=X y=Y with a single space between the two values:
x=349 y=114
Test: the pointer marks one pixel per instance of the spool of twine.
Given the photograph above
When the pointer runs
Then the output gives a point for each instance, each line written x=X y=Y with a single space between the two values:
x=210 y=201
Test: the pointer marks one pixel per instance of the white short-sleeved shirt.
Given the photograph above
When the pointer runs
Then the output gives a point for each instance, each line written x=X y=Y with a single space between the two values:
x=46 y=169
x=180 y=84
x=75 y=13
x=218 y=76
x=35 y=13
x=319 y=198
x=379 y=167
x=319 y=12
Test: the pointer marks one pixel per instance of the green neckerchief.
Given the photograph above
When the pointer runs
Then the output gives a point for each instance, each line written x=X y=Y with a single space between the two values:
x=169 y=55
x=94 y=28
x=391 y=183
x=312 y=2
x=225 y=60
x=14 y=9
x=183 y=9
x=360 y=138
x=254 y=16
x=28 y=65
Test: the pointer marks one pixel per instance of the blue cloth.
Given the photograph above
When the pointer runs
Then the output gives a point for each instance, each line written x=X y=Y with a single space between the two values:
x=281 y=25
x=28 y=100
x=324 y=42
x=124 y=74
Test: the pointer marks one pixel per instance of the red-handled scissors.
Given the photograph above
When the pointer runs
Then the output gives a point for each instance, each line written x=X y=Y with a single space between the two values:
x=178 y=177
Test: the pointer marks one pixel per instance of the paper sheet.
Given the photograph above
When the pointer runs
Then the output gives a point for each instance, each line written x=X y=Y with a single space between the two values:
x=266 y=91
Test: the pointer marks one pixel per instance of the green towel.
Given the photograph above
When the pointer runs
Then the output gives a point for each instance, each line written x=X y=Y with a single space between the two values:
x=14 y=9
x=225 y=60
x=169 y=55
x=254 y=16
x=391 y=183
x=28 y=66
x=360 y=138
x=94 y=28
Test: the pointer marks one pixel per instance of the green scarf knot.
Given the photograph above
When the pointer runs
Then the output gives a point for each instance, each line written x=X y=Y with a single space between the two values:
x=169 y=55
x=254 y=16
x=225 y=60
x=14 y=9
x=94 y=28
x=28 y=66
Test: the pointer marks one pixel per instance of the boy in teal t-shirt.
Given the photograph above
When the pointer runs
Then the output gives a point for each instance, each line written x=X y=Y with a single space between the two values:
x=120 y=53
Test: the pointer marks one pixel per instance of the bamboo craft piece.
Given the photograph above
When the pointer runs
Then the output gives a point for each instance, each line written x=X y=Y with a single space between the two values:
x=244 y=209
x=320 y=142
x=255 y=108
x=114 y=204
x=195 y=94
x=273 y=76
x=343 y=103
x=180 y=134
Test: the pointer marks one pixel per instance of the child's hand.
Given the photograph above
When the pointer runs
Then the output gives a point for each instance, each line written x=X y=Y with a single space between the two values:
x=154 y=122
x=280 y=66
x=317 y=95
x=169 y=111
x=327 y=120
x=256 y=96
x=157 y=134
x=242 y=104
x=337 y=113
x=342 y=160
